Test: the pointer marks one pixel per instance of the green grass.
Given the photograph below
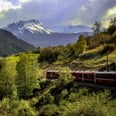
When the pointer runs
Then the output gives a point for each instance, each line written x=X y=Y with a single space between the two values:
x=14 y=58
x=102 y=60
x=97 y=61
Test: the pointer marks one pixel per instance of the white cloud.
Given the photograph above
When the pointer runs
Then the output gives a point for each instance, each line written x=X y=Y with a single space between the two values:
x=83 y=8
x=24 y=1
x=75 y=22
x=91 y=0
x=6 y=5
x=110 y=13
x=39 y=1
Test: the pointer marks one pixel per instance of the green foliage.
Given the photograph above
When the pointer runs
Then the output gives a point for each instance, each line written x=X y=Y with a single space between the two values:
x=64 y=75
x=25 y=109
x=100 y=39
x=27 y=76
x=48 y=99
x=66 y=52
x=7 y=78
x=92 y=105
x=4 y=106
x=10 y=107
x=48 y=54
x=80 y=103
x=81 y=45
x=49 y=110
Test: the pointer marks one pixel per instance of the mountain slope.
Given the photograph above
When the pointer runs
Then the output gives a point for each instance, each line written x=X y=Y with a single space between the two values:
x=9 y=44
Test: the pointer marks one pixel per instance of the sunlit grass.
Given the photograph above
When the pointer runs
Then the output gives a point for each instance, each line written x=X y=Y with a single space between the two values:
x=16 y=58
x=93 y=60
x=12 y=58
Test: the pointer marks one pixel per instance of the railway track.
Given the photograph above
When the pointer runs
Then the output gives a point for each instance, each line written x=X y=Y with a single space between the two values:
x=97 y=86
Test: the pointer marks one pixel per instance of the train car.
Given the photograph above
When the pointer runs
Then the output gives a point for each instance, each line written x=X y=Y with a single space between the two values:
x=83 y=75
x=78 y=75
x=106 y=78
x=103 y=78
x=89 y=76
x=52 y=74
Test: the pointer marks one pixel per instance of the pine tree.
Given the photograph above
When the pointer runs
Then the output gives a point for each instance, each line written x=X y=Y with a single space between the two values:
x=27 y=75
x=96 y=27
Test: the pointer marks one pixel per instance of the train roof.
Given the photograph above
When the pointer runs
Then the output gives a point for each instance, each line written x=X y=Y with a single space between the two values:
x=106 y=72
x=97 y=72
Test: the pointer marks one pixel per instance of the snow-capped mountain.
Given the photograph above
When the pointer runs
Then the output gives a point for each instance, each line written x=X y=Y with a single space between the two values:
x=30 y=26
x=71 y=29
x=33 y=32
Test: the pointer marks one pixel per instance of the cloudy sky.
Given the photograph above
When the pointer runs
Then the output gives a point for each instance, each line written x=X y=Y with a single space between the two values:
x=57 y=12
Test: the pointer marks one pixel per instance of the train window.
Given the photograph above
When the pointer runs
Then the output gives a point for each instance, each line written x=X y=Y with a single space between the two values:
x=88 y=75
x=114 y=75
x=85 y=75
x=77 y=74
x=91 y=75
x=104 y=75
x=80 y=75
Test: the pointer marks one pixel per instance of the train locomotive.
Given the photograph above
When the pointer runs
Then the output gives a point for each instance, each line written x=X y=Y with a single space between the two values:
x=103 y=78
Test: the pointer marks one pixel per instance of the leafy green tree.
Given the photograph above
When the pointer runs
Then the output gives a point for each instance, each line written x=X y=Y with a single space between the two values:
x=25 y=109
x=86 y=105
x=49 y=110
x=10 y=107
x=27 y=75
x=64 y=73
x=81 y=45
x=47 y=55
x=67 y=52
x=48 y=99
x=7 y=78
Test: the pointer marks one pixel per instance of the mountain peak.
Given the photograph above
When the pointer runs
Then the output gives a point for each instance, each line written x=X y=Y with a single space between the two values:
x=30 y=26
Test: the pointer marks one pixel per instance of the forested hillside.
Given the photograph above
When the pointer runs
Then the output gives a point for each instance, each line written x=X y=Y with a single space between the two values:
x=9 y=44
x=88 y=53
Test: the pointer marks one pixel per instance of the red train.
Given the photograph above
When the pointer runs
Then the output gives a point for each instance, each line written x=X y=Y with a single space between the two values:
x=104 y=78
